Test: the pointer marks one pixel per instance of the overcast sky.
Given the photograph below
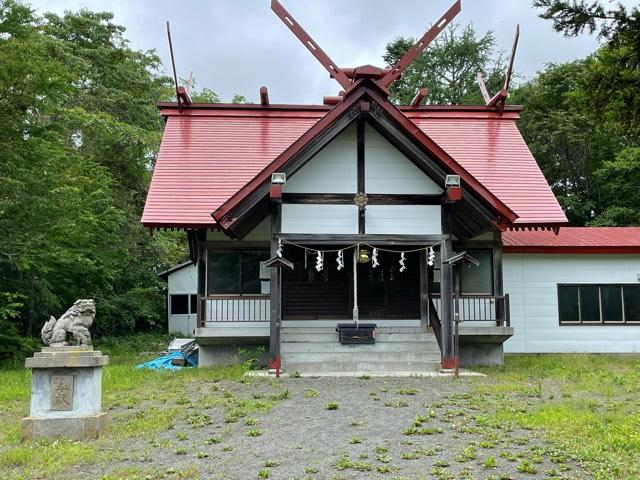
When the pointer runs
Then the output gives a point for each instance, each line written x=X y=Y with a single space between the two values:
x=235 y=46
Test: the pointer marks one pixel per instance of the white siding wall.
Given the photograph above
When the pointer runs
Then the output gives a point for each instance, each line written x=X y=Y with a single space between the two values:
x=389 y=171
x=403 y=219
x=332 y=170
x=531 y=282
x=182 y=282
x=310 y=218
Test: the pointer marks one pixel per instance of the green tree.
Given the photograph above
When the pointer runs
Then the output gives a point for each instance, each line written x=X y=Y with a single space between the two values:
x=79 y=131
x=448 y=67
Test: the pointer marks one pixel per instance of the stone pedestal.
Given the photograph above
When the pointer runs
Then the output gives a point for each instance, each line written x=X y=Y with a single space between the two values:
x=66 y=394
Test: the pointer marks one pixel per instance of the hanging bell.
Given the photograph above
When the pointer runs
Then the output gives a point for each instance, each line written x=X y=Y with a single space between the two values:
x=364 y=256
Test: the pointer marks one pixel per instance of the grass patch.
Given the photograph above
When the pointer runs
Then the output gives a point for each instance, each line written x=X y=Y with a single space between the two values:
x=585 y=405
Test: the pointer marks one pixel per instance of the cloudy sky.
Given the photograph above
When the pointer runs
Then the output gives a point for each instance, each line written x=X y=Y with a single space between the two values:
x=235 y=46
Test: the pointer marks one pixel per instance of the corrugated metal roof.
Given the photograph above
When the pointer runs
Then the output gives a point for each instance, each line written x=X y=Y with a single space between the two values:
x=574 y=240
x=208 y=154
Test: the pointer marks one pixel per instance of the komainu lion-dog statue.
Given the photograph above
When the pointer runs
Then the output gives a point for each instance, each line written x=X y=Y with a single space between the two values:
x=76 y=321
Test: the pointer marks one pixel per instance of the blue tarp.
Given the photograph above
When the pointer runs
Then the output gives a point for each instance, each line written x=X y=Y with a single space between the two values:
x=164 y=362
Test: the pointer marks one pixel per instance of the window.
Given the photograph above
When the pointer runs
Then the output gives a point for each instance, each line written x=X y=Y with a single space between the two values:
x=179 y=304
x=598 y=304
x=235 y=273
x=477 y=280
x=183 y=304
x=473 y=280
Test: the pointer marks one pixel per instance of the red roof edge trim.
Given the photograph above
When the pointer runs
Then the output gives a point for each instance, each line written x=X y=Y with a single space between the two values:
x=570 y=250
x=431 y=146
x=181 y=226
x=240 y=106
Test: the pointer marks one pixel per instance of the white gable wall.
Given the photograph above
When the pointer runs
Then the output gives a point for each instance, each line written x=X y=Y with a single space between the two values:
x=387 y=171
x=332 y=170
x=531 y=281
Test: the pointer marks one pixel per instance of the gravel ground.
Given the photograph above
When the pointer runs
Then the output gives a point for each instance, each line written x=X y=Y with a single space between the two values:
x=338 y=428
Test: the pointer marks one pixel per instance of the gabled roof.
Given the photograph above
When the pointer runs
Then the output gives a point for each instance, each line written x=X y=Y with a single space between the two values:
x=574 y=240
x=366 y=100
x=165 y=274
x=210 y=152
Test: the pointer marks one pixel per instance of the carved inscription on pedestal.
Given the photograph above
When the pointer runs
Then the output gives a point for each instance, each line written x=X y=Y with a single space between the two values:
x=62 y=392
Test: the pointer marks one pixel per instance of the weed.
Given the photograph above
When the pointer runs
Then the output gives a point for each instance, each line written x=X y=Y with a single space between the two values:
x=181 y=451
x=212 y=440
x=295 y=374
x=249 y=422
x=407 y=391
x=354 y=440
x=383 y=458
x=264 y=473
x=311 y=393
x=357 y=423
x=396 y=403
x=271 y=463
x=310 y=470
x=181 y=436
x=332 y=406
x=382 y=449
x=490 y=462
x=527 y=467
x=254 y=432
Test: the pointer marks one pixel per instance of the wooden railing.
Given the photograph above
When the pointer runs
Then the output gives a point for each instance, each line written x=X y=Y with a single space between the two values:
x=234 y=308
x=480 y=308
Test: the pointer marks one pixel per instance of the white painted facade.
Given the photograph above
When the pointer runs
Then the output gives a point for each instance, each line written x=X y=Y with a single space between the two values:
x=183 y=281
x=531 y=281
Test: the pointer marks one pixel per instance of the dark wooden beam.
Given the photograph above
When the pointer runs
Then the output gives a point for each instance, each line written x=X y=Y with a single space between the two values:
x=373 y=239
x=275 y=322
x=202 y=277
x=446 y=294
x=360 y=167
x=264 y=96
x=372 y=198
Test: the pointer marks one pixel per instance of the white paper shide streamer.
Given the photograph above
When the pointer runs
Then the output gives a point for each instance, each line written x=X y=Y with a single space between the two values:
x=431 y=257
x=319 y=262
x=340 y=260
x=402 y=260
x=374 y=258
x=279 y=250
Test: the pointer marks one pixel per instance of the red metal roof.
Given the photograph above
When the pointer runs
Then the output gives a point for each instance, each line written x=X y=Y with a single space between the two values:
x=574 y=240
x=208 y=153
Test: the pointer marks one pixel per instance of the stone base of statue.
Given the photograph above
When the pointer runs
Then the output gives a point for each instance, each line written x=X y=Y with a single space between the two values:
x=66 y=393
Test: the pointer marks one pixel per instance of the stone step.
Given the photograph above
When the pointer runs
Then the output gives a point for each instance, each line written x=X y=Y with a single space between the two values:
x=381 y=347
x=360 y=367
x=356 y=357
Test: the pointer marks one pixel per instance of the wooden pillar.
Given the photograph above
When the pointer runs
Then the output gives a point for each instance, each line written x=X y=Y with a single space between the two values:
x=498 y=288
x=446 y=292
x=201 y=312
x=424 y=289
x=446 y=307
x=275 y=361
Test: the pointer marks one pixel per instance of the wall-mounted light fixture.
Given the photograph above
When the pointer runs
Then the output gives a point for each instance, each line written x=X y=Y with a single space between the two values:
x=453 y=186
x=278 y=180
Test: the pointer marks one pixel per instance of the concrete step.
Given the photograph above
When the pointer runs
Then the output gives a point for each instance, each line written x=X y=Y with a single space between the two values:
x=361 y=367
x=355 y=357
x=379 y=329
x=328 y=337
x=380 y=347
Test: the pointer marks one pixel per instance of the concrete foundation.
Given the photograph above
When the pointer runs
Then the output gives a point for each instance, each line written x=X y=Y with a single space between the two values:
x=215 y=355
x=481 y=355
x=73 y=428
x=66 y=394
